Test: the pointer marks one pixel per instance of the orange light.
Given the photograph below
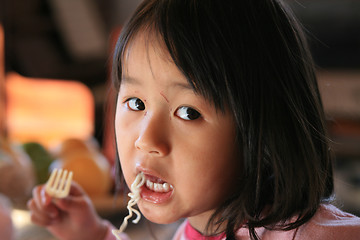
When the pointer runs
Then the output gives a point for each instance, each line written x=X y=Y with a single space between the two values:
x=48 y=111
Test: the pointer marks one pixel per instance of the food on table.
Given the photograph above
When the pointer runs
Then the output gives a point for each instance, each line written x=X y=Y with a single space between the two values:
x=41 y=159
x=91 y=169
x=17 y=176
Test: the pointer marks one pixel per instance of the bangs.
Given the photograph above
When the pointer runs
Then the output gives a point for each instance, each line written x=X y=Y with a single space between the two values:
x=178 y=29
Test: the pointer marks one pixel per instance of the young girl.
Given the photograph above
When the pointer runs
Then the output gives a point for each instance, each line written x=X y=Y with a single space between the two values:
x=219 y=108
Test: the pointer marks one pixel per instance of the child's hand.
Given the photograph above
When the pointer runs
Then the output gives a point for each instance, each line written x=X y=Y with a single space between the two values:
x=70 y=218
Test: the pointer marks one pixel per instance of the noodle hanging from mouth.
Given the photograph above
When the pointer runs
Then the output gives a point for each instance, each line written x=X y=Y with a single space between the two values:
x=134 y=198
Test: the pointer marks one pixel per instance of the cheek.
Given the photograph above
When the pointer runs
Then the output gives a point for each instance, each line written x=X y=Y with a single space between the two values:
x=213 y=166
x=125 y=125
x=124 y=141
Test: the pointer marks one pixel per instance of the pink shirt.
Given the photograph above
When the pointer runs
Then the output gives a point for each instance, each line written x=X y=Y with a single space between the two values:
x=329 y=223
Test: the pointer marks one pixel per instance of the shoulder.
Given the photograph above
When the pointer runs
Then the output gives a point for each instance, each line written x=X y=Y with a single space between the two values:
x=330 y=223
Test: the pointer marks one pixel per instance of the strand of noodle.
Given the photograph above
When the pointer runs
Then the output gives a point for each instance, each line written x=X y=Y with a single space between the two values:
x=134 y=198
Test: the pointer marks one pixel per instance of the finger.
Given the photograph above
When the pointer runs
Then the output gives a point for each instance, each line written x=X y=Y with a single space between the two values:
x=36 y=192
x=40 y=220
x=31 y=205
x=71 y=204
x=75 y=199
x=42 y=203
x=76 y=189
x=42 y=199
x=38 y=216
x=50 y=211
x=45 y=198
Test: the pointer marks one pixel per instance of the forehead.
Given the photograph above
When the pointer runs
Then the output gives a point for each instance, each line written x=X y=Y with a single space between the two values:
x=146 y=40
x=146 y=59
x=147 y=43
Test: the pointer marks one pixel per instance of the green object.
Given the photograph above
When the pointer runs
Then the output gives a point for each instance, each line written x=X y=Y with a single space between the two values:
x=41 y=159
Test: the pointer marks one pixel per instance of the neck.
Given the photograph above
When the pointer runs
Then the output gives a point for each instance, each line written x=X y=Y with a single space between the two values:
x=200 y=223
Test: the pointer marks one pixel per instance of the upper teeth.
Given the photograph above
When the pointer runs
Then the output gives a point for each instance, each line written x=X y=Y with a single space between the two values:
x=158 y=187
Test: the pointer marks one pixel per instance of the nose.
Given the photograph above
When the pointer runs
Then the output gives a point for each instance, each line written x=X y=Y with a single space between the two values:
x=153 y=136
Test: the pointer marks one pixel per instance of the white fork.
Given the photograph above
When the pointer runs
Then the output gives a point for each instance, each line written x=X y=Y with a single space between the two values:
x=58 y=185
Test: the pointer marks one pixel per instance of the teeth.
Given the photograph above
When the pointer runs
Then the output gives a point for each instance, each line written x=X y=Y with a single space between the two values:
x=158 y=187
x=149 y=184
x=166 y=187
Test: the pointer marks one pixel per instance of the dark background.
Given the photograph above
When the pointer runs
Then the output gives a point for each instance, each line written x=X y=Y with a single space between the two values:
x=48 y=39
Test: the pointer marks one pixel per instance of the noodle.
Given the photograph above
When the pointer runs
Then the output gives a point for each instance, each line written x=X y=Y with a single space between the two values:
x=134 y=198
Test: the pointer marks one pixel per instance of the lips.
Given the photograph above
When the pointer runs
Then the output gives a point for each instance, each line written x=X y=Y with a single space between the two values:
x=156 y=190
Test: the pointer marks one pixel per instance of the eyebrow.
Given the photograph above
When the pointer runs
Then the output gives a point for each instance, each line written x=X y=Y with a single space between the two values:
x=129 y=80
x=134 y=81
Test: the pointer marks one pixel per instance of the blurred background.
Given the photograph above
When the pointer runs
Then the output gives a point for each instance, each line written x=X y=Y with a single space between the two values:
x=55 y=57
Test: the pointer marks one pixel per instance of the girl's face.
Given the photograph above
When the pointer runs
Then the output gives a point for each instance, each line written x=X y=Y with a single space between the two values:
x=185 y=147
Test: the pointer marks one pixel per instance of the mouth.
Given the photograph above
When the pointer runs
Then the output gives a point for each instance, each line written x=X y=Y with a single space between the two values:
x=156 y=190
x=157 y=185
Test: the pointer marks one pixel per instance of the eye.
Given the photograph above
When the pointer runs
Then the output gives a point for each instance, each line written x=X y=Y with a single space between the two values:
x=135 y=104
x=187 y=113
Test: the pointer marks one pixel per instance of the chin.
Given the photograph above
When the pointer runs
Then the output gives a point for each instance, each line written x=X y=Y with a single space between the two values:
x=157 y=214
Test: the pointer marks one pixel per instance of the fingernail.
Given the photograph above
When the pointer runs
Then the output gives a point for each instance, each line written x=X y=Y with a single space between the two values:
x=43 y=200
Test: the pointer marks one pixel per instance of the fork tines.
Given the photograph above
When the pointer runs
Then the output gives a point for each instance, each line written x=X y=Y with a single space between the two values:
x=58 y=185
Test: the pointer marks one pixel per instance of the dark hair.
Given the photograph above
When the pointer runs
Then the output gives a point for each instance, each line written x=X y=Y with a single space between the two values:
x=252 y=57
